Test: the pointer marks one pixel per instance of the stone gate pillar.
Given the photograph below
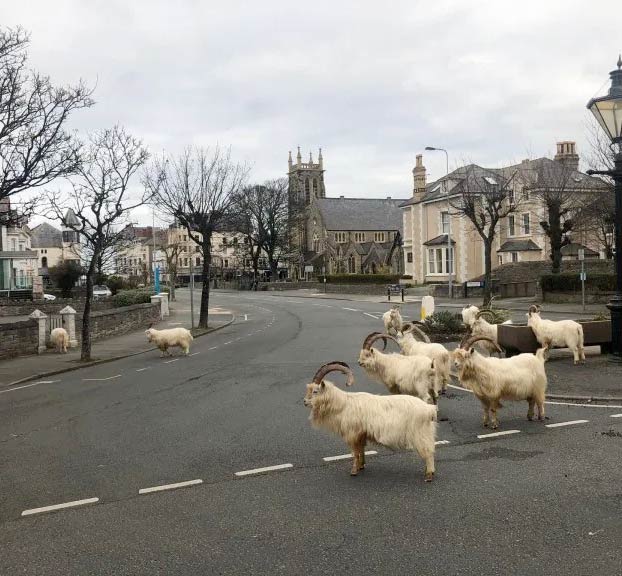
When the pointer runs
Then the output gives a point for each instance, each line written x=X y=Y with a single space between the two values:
x=69 y=324
x=41 y=318
x=165 y=310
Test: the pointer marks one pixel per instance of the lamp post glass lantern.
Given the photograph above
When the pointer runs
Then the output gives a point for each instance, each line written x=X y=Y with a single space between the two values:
x=450 y=258
x=608 y=112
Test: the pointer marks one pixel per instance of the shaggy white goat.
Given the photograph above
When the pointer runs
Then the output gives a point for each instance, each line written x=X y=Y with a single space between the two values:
x=398 y=422
x=165 y=339
x=414 y=375
x=392 y=321
x=436 y=352
x=557 y=334
x=491 y=379
x=468 y=315
x=59 y=339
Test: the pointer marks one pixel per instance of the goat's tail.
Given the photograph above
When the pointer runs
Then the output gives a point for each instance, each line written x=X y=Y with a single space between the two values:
x=580 y=334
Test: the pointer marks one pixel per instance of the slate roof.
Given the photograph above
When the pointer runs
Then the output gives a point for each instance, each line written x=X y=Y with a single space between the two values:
x=360 y=213
x=439 y=241
x=519 y=246
x=70 y=218
x=46 y=236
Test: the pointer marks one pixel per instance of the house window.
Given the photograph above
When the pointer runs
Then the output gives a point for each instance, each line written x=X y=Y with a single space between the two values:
x=511 y=196
x=444 y=222
x=511 y=226
x=500 y=259
x=14 y=244
x=226 y=263
x=438 y=263
x=409 y=257
x=340 y=236
x=185 y=261
x=525 y=194
x=378 y=236
x=44 y=262
x=514 y=256
x=526 y=224
x=198 y=261
x=359 y=236
x=235 y=241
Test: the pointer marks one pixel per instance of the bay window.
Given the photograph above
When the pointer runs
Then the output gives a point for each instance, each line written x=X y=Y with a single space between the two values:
x=439 y=261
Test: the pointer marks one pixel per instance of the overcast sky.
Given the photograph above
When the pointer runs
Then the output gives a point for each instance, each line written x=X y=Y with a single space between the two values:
x=372 y=83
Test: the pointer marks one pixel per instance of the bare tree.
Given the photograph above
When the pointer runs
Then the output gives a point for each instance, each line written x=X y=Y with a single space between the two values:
x=198 y=189
x=171 y=247
x=564 y=193
x=484 y=197
x=100 y=201
x=35 y=144
x=265 y=208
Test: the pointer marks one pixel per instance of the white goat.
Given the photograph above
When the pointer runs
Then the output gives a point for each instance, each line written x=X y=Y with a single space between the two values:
x=397 y=422
x=59 y=340
x=392 y=321
x=468 y=315
x=491 y=379
x=165 y=339
x=560 y=334
x=414 y=375
x=437 y=352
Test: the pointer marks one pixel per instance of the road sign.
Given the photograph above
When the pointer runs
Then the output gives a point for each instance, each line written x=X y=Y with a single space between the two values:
x=308 y=268
x=583 y=276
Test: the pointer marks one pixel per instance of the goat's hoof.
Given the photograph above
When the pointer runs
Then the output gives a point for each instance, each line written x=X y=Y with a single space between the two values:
x=494 y=426
x=429 y=476
x=353 y=473
x=530 y=418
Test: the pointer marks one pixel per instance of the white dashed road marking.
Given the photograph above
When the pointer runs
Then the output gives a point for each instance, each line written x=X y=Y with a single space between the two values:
x=569 y=423
x=441 y=442
x=100 y=379
x=371 y=316
x=29 y=385
x=265 y=469
x=59 y=506
x=245 y=317
x=213 y=348
x=503 y=433
x=170 y=486
x=194 y=354
x=346 y=456
x=173 y=360
x=616 y=415
x=142 y=369
x=352 y=309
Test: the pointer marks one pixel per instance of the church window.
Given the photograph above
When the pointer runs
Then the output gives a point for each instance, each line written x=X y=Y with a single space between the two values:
x=378 y=236
x=359 y=236
x=307 y=191
x=315 y=187
x=340 y=236
x=351 y=264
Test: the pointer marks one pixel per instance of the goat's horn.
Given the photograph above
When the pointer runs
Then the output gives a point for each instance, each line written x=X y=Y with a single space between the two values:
x=406 y=327
x=488 y=315
x=376 y=336
x=422 y=335
x=474 y=339
x=465 y=338
x=334 y=367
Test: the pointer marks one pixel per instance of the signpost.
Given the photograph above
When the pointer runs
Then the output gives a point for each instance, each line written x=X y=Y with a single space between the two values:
x=582 y=259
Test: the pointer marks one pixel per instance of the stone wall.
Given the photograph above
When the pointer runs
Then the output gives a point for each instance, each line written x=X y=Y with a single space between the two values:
x=116 y=321
x=19 y=338
x=25 y=308
x=575 y=297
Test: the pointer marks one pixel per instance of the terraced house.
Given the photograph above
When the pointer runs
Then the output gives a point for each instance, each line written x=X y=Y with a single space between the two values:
x=429 y=217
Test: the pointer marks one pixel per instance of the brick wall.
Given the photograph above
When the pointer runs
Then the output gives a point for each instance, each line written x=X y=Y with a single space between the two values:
x=19 y=338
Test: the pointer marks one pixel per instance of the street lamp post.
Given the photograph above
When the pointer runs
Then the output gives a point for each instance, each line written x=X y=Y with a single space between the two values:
x=450 y=260
x=608 y=111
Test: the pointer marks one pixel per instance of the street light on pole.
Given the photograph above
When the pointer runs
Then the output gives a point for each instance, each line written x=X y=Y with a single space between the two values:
x=450 y=260
x=608 y=111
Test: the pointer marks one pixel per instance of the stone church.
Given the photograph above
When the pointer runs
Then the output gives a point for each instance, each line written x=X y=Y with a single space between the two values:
x=340 y=235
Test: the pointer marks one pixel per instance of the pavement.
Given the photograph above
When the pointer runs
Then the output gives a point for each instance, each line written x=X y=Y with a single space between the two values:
x=207 y=464
x=21 y=369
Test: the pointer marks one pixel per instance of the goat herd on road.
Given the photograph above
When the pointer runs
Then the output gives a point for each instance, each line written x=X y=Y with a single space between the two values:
x=416 y=376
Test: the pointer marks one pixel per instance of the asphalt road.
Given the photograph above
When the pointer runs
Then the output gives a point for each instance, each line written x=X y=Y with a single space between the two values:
x=543 y=500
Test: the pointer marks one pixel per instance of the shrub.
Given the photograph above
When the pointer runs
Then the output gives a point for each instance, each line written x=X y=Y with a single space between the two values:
x=131 y=297
x=65 y=275
x=572 y=282
x=362 y=278
x=116 y=283
x=444 y=322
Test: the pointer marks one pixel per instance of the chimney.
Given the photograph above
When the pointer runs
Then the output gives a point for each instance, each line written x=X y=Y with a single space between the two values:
x=567 y=154
x=419 y=178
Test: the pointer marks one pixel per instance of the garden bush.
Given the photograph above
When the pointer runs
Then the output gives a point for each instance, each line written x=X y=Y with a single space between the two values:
x=131 y=297
x=65 y=275
x=117 y=283
x=572 y=282
x=444 y=322
x=362 y=278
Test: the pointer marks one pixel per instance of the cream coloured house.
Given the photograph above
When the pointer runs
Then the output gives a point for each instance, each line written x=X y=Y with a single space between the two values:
x=428 y=218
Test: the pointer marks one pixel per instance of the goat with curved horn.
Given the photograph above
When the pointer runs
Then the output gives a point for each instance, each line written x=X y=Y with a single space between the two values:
x=334 y=366
x=371 y=338
x=473 y=339
x=487 y=315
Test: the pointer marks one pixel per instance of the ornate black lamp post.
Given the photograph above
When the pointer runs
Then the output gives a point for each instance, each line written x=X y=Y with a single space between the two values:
x=608 y=112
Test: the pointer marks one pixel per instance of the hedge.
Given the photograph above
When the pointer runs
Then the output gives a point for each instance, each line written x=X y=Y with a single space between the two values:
x=363 y=278
x=444 y=322
x=130 y=297
x=572 y=282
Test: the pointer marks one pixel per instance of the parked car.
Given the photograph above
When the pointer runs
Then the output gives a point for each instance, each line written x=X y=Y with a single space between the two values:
x=101 y=291
x=49 y=297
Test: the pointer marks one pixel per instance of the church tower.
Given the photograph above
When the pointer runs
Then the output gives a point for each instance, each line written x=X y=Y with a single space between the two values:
x=306 y=179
